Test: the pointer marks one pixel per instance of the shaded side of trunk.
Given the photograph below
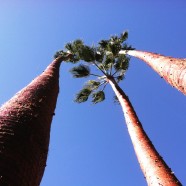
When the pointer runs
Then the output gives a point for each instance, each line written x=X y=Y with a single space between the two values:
x=153 y=166
x=173 y=70
x=25 y=122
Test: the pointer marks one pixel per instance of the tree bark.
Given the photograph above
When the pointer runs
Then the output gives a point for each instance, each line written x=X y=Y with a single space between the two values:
x=173 y=70
x=25 y=122
x=153 y=166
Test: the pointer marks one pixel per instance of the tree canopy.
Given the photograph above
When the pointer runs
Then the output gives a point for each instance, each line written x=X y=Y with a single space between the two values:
x=104 y=57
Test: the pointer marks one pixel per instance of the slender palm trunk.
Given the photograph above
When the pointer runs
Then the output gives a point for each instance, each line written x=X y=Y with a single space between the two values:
x=25 y=122
x=173 y=70
x=153 y=166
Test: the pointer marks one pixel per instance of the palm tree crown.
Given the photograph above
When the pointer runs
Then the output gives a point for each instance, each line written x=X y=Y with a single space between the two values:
x=105 y=57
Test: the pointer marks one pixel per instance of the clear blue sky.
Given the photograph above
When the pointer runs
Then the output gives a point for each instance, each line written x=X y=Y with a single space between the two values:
x=90 y=145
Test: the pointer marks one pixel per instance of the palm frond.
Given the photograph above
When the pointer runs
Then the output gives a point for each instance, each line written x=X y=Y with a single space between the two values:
x=78 y=43
x=74 y=46
x=114 y=45
x=92 y=84
x=125 y=46
x=80 y=71
x=87 y=53
x=109 y=59
x=83 y=95
x=98 y=97
x=124 y=36
x=107 y=62
x=104 y=44
x=59 y=53
x=69 y=47
x=67 y=57
x=122 y=63
x=121 y=76
x=99 y=55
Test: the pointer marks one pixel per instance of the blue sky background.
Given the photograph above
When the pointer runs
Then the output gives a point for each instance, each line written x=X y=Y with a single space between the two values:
x=90 y=145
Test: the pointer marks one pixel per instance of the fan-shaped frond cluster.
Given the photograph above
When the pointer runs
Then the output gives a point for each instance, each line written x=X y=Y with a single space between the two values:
x=80 y=71
x=92 y=89
x=83 y=95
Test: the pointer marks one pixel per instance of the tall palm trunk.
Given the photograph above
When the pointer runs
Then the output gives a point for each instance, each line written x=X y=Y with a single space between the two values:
x=153 y=167
x=173 y=70
x=25 y=122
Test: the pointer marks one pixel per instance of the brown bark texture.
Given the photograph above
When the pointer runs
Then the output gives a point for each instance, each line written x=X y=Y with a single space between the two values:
x=173 y=70
x=25 y=122
x=154 y=168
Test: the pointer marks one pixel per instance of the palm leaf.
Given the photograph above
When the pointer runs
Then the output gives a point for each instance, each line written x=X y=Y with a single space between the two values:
x=98 y=97
x=69 y=47
x=121 y=76
x=104 y=44
x=122 y=63
x=87 y=53
x=127 y=47
x=109 y=59
x=107 y=62
x=114 y=45
x=73 y=47
x=59 y=53
x=80 y=71
x=124 y=36
x=78 y=43
x=83 y=95
x=99 y=55
x=92 y=84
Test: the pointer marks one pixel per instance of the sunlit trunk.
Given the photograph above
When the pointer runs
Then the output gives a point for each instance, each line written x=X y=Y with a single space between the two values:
x=153 y=166
x=25 y=122
x=173 y=70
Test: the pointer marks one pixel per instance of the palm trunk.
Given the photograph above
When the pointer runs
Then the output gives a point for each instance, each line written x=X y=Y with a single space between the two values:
x=25 y=122
x=173 y=70
x=153 y=166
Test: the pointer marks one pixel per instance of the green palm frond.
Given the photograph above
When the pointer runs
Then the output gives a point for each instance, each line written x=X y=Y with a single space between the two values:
x=78 y=43
x=121 y=76
x=74 y=46
x=98 y=97
x=104 y=44
x=125 y=46
x=99 y=55
x=92 y=84
x=69 y=47
x=83 y=95
x=124 y=36
x=87 y=53
x=59 y=53
x=107 y=62
x=114 y=45
x=109 y=59
x=80 y=71
x=103 y=67
x=122 y=63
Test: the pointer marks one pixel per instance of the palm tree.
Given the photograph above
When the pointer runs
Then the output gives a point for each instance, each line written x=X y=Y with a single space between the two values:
x=25 y=122
x=105 y=57
x=173 y=70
